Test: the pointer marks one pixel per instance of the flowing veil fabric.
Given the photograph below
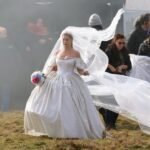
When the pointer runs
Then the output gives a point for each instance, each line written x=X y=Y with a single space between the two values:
x=140 y=67
x=131 y=95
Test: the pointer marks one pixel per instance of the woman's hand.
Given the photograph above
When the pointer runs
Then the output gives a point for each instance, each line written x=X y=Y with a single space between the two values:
x=85 y=73
x=124 y=67
x=121 y=68
x=51 y=69
x=54 y=68
x=112 y=68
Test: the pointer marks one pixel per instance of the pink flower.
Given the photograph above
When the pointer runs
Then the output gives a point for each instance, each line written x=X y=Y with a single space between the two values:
x=35 y=80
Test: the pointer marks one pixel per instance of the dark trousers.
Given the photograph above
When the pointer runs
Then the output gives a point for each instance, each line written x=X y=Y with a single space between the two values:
x=110 y=117
x=102 y=112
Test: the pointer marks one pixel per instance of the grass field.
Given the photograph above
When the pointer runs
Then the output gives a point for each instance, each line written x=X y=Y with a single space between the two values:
x=127 y=137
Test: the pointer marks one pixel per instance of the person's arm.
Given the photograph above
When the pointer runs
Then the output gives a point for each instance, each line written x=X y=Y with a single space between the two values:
x=121 y=68
x=80 y=65
x=82 y=72
x=127 y=65
x=131 y=45
x=53 y=67
x=109 y=55
x=112 y=68
x=143 y=50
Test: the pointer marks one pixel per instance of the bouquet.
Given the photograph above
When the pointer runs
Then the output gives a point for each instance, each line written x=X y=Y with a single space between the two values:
x=37 y=78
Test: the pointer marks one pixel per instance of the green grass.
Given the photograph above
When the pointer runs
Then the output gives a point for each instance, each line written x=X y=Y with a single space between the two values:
x=127 y=137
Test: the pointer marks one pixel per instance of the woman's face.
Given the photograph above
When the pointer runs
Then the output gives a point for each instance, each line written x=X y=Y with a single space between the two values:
x=120 y=43
x=67 y=41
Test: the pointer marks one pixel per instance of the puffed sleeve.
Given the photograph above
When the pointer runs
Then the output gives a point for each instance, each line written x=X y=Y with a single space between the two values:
x=51 y=62
x=80 y=64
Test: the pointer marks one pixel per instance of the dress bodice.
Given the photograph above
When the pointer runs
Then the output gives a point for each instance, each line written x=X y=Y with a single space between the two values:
x=67 y=66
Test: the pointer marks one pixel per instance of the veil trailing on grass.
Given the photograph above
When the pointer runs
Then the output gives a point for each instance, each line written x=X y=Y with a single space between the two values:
x=131 y=96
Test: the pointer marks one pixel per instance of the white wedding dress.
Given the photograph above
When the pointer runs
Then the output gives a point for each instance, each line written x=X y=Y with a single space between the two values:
x=63 y=107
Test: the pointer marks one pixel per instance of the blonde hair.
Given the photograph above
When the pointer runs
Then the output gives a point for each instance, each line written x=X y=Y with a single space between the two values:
x=68 y=35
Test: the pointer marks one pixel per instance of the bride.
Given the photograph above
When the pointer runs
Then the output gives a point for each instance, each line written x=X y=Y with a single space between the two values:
x=63 y=107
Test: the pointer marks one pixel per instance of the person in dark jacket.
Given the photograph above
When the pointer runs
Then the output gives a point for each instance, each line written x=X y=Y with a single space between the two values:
x=140 y=33
x=96 y=23
x=145 y=48
x=119 y=63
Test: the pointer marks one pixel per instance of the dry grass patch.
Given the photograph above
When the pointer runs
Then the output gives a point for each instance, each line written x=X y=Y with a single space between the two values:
x=127 y=137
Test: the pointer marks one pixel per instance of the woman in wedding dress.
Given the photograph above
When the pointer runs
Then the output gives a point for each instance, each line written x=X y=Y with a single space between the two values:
x=63 y=107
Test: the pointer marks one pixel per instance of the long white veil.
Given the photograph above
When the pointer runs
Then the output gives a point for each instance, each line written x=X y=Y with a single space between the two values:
x=140 y=67
x=131 y=97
